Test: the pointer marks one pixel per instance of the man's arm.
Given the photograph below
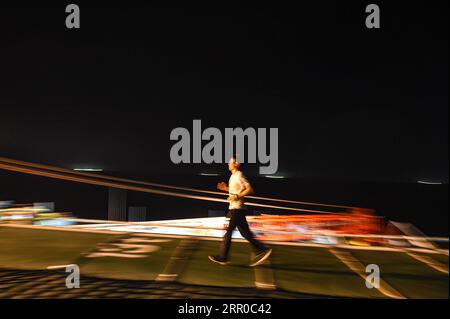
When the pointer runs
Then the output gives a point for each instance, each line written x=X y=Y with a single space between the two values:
x=222 y=186
x=248 y=190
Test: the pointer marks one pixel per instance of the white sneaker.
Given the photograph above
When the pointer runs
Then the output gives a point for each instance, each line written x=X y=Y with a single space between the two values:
x=261 y=257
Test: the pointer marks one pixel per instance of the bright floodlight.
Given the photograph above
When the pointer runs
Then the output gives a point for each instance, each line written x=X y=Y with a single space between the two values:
x=429 y=183
x=88 y=169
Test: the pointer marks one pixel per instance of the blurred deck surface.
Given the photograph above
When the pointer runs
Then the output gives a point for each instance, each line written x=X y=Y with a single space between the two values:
x=127 y=265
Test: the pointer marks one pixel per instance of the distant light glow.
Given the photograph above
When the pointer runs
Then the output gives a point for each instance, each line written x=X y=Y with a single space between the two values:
x=274 y=176
x=429 y=183
x=88 y=169
x=209 y=174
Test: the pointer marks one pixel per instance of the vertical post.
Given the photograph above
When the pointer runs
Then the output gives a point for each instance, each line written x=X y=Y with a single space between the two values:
x=137 y=214
x=117 y=204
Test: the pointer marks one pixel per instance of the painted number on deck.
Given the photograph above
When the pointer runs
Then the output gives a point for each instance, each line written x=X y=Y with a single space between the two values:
x=128 y=248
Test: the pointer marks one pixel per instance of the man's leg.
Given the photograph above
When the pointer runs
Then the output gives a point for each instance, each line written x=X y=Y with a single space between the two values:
x=245 y=231
x=262 y=252
x=226 y=243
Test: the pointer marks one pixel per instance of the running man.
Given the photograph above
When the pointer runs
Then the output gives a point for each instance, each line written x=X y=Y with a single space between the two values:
x=238 y=187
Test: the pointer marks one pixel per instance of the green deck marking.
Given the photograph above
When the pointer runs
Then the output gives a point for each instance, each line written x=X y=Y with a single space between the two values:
x=200 y=270
x=37 y=249
x=317 y=271
x=410 y=277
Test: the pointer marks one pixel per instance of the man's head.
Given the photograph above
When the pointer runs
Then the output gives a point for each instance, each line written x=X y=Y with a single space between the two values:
x=233 y=164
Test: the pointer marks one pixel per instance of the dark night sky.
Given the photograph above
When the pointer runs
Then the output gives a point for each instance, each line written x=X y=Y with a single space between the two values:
x=349 y=102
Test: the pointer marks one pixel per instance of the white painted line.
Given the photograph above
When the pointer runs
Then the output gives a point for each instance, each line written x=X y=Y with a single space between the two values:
x=430 y=262
x=58 y=267
x=442 y=251
x=356 y=266
x=261 y=285
x=166 y=277
x=177 y=261
x=264 y=278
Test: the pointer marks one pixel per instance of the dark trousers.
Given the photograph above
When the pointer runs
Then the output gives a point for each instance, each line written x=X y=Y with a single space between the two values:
x=237 y=219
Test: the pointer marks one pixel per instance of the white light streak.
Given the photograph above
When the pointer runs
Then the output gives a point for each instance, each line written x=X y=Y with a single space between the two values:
x=429 y=183
x=209 y=174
